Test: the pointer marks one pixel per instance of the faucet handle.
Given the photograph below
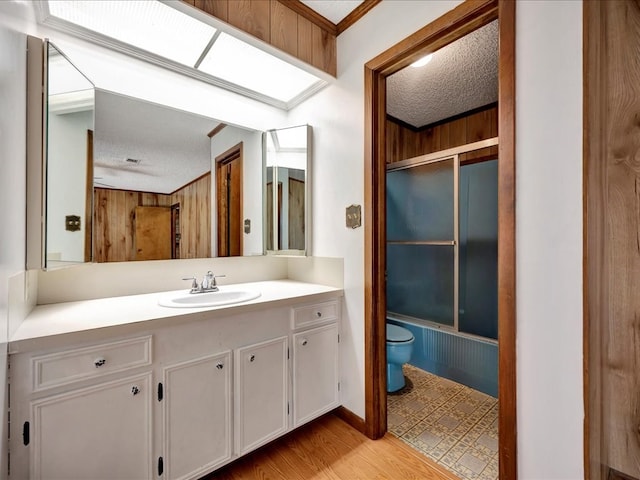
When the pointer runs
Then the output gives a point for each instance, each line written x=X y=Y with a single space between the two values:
x=214 y=279
x=194 y=283
x=208 y=280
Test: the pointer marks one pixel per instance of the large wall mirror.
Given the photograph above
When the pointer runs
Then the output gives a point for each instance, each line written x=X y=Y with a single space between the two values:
x=287 y=153
x=147 y=181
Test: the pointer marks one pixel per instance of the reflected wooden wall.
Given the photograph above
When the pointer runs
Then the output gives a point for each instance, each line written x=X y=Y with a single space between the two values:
x=114 y=212
x=195 y=218
x=404 y=141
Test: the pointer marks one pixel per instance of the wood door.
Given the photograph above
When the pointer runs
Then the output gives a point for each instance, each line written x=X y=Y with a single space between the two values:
x=271 y=217
x=612 y=263
x=152 y=233
x=229 y=202
x=296 y=214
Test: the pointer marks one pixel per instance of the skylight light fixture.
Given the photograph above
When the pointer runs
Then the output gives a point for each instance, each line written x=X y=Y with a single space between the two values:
x=147 y=25
x=242 y=64
x=165 y=33
x=423 y=61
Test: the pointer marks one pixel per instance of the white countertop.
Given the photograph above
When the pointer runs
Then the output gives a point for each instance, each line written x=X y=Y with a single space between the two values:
x=73 y=317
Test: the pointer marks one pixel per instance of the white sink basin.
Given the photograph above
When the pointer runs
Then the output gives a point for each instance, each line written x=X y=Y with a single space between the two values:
x=209 y=299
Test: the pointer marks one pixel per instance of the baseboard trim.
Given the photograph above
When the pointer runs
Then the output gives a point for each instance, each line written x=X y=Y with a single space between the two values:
x=350 y=418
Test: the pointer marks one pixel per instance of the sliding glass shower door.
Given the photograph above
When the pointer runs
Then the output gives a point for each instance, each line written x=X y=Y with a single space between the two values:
x=422 y=240
x=442 y=243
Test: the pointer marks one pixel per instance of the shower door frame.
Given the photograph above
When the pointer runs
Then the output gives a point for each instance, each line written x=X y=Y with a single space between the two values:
x=430 y=159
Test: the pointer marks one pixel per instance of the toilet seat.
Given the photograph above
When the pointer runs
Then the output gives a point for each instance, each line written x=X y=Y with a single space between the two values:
x=397 y=334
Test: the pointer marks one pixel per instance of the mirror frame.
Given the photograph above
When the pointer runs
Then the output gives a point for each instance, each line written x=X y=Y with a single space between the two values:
x=307 y=197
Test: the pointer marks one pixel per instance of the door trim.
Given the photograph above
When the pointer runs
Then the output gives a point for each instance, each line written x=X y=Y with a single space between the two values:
x=454 y=24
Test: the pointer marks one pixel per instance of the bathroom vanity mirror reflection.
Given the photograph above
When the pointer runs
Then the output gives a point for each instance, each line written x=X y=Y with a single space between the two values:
x=69 y=125
x=172 y=184
x=287 y=154
x=126 y=179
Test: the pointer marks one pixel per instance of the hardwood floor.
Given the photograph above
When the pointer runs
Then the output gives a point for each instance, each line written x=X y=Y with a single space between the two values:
x=328 y=448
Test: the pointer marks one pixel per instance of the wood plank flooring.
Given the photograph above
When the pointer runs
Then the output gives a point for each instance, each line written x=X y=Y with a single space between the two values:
x=330 y=449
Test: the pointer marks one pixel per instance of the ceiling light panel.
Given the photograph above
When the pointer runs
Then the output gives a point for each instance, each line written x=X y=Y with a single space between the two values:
x=151 y=26
x=242 y=64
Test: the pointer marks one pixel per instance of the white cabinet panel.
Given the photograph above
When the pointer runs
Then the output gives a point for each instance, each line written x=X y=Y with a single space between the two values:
x=197 y=416
x=261 y=393
x=315 y=373
x=101 y=432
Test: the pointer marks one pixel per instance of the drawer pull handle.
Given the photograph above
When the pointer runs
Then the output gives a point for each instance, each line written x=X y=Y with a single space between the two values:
x=304 y=342
x=318 y=314
x=252 y=358
x=98 y=362
x=135 y=390
x=220 y=366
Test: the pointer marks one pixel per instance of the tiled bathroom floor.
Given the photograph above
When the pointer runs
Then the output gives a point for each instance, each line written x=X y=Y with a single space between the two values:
x=450 y=423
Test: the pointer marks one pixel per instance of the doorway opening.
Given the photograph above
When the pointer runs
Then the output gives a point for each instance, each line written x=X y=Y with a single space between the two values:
x=229 y=201
x=457 y=23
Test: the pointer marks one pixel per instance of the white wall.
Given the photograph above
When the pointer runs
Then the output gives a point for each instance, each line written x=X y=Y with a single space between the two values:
x=251 y=140
x=549 y=229
x=12 y=200
x=549 y=238
x=67 y=178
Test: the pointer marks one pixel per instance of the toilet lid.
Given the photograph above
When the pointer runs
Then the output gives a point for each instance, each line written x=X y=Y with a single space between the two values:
x=398 y=334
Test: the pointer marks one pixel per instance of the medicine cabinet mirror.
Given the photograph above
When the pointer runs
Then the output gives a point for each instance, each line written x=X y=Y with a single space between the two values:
x=287 y=154
x=68 y=166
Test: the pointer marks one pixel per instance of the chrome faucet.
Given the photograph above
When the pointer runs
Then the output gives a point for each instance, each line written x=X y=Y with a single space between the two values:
x=208 y=283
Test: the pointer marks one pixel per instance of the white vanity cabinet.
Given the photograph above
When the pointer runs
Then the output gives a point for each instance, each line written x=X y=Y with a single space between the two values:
x=171 y=400
x=262 y=393
x=316 y=381
x=83 y=412
x=196 y=404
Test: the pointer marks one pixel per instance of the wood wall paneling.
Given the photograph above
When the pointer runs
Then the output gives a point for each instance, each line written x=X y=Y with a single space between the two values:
x=217 y=8
x=114 y=227
x=612 y=262
x=284 y=28
x=195 y=218
x=305 y=40
x=405 y=142
x=251 y=16
x=308 y=37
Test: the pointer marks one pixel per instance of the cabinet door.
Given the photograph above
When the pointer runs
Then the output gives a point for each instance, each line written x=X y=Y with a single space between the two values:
x=100 y=432
x=197 y=416
x=315 y=373
x=261 y=393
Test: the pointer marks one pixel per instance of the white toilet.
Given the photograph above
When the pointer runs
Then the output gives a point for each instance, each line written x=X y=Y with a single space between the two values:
x=399 y=348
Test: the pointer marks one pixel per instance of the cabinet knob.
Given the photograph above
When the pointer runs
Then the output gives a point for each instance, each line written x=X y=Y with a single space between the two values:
x=252 y=358
x=220 y=366
x=135 y=390
x=304 y=342
x=318 y=314
x=98 y=362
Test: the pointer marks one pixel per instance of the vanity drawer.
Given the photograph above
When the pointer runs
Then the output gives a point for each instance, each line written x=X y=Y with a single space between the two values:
x=70 y=366
x=314 y=314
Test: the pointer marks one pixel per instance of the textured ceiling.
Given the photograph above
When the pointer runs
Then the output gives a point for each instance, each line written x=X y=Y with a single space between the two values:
x=460 y=77
x=172 y=145
x=334 y=10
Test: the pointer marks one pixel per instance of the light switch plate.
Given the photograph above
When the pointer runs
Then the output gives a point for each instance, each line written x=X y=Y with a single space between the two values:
x=353 y=216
